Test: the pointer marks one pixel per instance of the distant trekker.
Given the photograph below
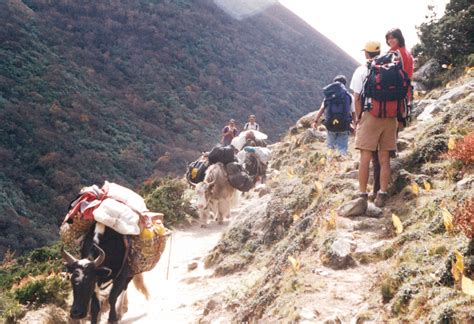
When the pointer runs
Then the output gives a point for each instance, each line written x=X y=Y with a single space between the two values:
x=229 y=132
x=338 y=106
x=251 y=124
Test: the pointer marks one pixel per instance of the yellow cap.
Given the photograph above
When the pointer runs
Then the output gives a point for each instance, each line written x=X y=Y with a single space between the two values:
x=372 y=47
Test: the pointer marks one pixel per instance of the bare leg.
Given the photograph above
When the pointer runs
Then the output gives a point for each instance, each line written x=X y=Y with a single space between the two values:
x=365 y=157
x=384 y=158
x=376 y=167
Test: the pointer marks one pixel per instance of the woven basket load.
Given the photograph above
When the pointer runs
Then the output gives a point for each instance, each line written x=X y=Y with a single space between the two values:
x=146 y=248
x=72 y=234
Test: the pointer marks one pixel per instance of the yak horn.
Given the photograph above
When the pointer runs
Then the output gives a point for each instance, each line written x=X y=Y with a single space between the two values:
x=193 y=185
x=67 y=256
x=98 y=261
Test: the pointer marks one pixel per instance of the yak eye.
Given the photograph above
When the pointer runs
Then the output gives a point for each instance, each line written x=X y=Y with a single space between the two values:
x=76 y=272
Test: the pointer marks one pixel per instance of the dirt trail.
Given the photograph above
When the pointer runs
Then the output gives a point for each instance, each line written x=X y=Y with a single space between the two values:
x=178 y=298
x=344 y=293
x=182 y=298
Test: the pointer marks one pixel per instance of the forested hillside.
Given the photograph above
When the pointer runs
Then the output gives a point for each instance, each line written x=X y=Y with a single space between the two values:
x=123 y=90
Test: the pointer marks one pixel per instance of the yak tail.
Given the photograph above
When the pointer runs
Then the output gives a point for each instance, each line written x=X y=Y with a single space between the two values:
x=139 y=283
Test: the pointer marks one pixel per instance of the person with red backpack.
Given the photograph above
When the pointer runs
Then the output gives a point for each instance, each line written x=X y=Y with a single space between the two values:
x=381 y=89
x=339 y=109
x=396 y=42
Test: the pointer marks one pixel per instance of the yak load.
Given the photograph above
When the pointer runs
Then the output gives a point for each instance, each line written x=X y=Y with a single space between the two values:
x=245 y=161
x=217 y=175
x=115 y=238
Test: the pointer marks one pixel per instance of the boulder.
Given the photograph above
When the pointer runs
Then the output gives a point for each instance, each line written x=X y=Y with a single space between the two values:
x=306 y=314
x=306 y=120
x=192 y=266
x=311 y=135
x=427 y=71
x=47 y=315
x=452 y=95
x=465 y=184
x=402 y=144
x=433 y=109
x=354 y=174
x=336 y=252
x=265 y=190
x=356 y=207
x=373 y=211
x=429 y=150
x=408 y=177
x=210 y=306
x=332 y=320
x=419 y=107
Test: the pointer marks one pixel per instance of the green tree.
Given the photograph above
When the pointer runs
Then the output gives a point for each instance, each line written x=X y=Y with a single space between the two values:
x=448 y=39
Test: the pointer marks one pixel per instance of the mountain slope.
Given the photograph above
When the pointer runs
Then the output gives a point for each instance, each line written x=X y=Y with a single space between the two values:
x=120 y=90
x=300 y=256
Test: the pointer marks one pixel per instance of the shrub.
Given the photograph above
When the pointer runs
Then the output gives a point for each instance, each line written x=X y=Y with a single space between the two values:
x=10 y=309
x=44 y=260
x=463 y=150
x=166 y=196
x=430 y=149
x=49 y=290
x=464 y=217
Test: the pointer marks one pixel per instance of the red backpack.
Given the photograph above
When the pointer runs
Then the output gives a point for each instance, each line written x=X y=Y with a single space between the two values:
x=386 y=87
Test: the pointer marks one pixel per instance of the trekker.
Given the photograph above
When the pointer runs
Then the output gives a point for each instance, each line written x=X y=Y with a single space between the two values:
x=379 y=106
x=383 y=136
x=252 y=124
x=395 y=40
x=228 y=133
x=338 y=105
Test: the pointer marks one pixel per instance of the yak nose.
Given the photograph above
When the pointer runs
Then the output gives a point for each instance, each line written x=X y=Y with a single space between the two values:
x=77 y=314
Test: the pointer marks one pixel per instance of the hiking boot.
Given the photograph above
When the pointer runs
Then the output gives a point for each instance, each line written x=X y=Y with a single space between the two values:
x=381 y=199
x=372 y=196
x=360 y=195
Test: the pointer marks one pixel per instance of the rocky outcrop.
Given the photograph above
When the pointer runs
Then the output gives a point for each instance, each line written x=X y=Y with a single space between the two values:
x=311 y=135
x=46 y=315
x=425 y=74
x=336 y=252
x=356 y=207
x=307 y=120
x=444 y=102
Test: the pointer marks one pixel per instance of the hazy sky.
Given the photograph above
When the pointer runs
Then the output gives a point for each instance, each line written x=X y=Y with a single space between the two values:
x=350 y=23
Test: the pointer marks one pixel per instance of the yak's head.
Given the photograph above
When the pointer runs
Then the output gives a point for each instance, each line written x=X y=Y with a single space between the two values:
x=203 y=193
x=84 y=275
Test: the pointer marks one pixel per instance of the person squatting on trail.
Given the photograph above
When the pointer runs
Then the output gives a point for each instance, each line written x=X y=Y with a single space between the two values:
x=339 y=109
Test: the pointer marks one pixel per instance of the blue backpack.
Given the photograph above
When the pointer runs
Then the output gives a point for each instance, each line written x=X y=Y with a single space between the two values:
x=337 y=104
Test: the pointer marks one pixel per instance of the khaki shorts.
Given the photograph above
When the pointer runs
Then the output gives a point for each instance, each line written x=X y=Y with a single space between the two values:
x=376 y=133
